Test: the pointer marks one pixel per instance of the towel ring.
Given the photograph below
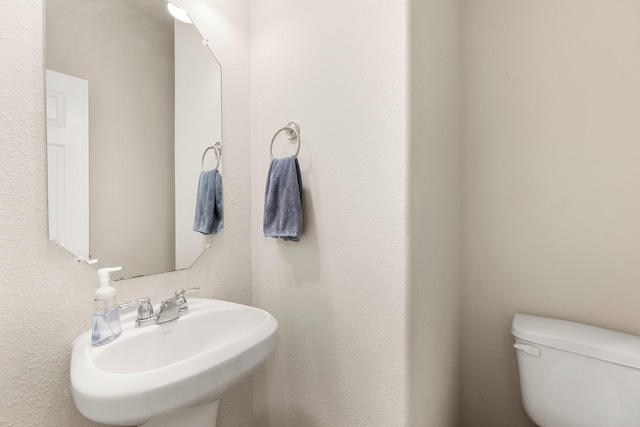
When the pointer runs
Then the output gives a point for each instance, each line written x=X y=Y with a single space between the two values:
x=218 y=150
x=293 y=133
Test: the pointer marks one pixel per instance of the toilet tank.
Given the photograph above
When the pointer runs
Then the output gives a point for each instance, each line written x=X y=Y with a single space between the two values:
x=575 y=375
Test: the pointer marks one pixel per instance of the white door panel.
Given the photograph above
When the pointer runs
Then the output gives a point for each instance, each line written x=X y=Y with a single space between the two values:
x=68 y=161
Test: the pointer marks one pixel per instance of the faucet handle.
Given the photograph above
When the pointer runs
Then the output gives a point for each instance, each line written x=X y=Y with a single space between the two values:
x=180 y=292
x=145 y=310
x=183 y=308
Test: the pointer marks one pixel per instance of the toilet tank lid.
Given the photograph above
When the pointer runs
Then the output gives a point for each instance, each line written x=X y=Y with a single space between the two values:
x=591 y=341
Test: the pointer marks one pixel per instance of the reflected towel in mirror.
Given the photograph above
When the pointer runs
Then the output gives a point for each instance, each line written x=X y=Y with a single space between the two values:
x=209 y=214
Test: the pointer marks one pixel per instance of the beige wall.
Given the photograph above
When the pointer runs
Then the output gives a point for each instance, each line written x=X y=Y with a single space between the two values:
x=127 y=59
x=340 y=294
x=50 y=294
x=435 y=199
x=551 y=176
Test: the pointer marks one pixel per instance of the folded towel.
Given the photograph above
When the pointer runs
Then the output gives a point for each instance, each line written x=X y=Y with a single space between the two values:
x=283 y=200
x=209 y=215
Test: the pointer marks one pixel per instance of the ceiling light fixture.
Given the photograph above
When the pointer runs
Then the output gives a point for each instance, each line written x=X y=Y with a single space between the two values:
x=179 y=13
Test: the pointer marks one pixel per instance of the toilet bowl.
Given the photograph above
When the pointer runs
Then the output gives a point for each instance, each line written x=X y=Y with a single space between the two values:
x=576 y=375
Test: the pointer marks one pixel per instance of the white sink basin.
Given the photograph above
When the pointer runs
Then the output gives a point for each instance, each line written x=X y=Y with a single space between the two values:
x=155 y=373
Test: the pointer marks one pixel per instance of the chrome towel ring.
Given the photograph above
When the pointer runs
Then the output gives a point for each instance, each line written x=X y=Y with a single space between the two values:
x=217 y=147
x=293 y=133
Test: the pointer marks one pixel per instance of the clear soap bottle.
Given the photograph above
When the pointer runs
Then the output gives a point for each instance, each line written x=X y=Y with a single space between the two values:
x=106 y=319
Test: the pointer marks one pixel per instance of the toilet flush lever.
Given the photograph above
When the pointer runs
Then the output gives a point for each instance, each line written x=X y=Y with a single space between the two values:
x=529 y=349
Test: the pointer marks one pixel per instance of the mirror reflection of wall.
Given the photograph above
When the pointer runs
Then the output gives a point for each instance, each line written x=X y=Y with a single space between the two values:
x=146 y=130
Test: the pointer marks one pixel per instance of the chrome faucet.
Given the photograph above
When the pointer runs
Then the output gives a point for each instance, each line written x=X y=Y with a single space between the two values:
x=169 y=309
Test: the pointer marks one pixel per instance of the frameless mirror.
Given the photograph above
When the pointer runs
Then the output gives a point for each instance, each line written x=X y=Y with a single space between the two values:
x=133 y=102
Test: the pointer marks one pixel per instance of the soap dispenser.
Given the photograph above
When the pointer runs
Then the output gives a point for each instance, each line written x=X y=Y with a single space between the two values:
x=106 y=320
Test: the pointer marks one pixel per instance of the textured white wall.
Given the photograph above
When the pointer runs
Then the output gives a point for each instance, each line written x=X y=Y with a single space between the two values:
x=343 y=355
x=552 y=197
x=435 y=199
x=340 y=70
x=49 y=295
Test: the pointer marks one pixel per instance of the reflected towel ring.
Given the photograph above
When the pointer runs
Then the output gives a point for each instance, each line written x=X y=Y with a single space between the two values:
x=217 y=147
x=293 y=133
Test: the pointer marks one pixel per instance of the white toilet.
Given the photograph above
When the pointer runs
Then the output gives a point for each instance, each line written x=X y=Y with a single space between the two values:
x=575 y=375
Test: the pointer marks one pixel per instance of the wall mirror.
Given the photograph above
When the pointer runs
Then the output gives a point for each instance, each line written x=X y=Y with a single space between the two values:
x=133 y=102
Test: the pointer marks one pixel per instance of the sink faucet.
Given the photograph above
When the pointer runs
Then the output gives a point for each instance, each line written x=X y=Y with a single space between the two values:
x=169 y=310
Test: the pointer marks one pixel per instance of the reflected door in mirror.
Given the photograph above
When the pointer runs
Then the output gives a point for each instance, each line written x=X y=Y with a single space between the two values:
x=68 y=161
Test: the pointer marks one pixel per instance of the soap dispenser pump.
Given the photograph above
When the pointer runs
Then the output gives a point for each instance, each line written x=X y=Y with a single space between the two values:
x=106 y=320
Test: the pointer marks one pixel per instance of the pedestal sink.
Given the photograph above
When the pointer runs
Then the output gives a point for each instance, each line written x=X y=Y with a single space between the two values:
x=171 y=374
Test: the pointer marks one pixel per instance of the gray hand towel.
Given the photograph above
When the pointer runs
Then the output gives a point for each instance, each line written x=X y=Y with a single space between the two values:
x=209 y=215
x=283 y=200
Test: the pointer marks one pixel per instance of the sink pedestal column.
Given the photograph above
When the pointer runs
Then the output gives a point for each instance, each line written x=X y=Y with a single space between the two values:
x=204 y=415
